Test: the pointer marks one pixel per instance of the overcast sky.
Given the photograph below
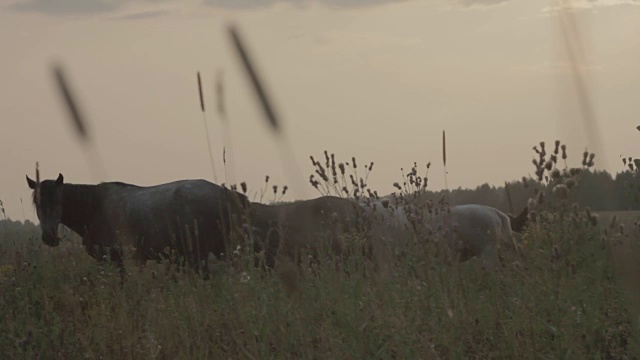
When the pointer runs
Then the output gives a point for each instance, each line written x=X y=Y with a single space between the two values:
x=375 y=79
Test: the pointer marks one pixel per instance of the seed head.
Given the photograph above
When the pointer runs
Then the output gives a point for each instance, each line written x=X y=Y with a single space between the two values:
x=562 y=191
x=575 y=207
x=531 y=203
x=385 y=203
x=540 y=198
x=570 y=182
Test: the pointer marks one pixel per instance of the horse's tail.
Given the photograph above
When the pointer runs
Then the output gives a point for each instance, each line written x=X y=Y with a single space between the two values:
x=507 y=233
x=519 y=222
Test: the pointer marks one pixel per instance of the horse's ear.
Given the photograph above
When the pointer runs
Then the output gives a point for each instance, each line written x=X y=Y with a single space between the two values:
x=60 y=179
x=32 y=184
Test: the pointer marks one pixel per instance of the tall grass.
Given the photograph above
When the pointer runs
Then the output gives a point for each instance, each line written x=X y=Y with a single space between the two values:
x=559 y=299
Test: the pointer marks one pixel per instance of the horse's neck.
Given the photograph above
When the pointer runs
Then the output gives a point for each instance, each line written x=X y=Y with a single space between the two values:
x=80 y=205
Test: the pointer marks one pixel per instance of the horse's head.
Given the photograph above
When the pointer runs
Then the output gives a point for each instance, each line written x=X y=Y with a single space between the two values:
x=47 y=197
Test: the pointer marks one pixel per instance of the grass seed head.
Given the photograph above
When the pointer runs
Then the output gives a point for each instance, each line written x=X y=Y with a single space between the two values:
x=561 y=191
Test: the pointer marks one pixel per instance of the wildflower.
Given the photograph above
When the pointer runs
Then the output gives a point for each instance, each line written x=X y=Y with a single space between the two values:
x=561 y=190
x=531 y=203
x=540 y=198
x=570 y=183
x=244 y=277
x=575 y=207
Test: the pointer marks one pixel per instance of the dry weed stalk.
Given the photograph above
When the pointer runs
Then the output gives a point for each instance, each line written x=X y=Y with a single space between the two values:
x=286 y=150
x=79 y=123
x=206 y=129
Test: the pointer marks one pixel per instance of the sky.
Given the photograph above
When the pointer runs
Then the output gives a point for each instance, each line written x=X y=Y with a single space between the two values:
x=375 y=79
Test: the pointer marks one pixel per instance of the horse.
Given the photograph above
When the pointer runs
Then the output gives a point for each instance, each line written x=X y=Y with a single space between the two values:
x=289 y=228
x=470 y=230
x=190 y=217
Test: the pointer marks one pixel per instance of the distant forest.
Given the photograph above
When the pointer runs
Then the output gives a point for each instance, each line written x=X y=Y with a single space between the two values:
x=598 y=190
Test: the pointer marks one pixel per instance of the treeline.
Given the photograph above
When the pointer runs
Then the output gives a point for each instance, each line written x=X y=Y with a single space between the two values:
x=18 y=230
x=597 y=189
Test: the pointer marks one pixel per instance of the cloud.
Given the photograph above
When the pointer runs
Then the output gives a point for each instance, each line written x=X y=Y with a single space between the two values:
x=267 y=3
x=84 y=7
x=59 y=7
x=570 y=4
x=558 y=67
x=469 y=3
x=576 y=5
x=144 y=15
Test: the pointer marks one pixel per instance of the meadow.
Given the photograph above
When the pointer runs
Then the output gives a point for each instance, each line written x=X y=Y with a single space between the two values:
x=570 y=292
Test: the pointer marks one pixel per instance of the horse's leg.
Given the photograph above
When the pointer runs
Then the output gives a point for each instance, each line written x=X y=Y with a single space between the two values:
x=489 y=257
x=115 y=254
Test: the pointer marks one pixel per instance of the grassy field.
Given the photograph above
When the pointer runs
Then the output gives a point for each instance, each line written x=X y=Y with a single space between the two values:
x=626 y=254
x=570 y=294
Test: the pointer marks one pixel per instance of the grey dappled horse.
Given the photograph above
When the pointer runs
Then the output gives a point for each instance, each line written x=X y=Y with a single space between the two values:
x=191 y=217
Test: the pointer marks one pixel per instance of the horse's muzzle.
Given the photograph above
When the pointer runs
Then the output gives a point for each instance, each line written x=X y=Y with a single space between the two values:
x=50 y=239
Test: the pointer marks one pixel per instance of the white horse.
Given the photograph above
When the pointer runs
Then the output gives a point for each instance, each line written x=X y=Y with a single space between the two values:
x=469 y=230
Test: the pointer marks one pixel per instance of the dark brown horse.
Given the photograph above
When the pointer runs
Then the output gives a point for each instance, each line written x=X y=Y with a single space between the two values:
x=190 y=217
x=287 y=229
